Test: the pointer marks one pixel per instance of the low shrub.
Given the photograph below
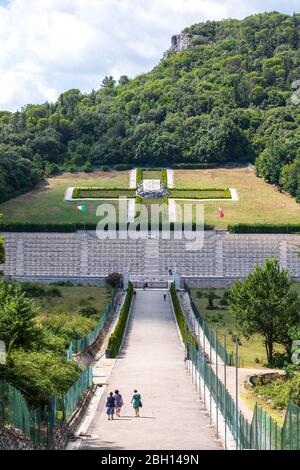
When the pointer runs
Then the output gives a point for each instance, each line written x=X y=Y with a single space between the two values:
x=105 y=168
x=115 y=340
x=181 y=321
x=139 y=176
x=192 y=166
x=114 y=280
x=164 y=176
x=123 y=167
x=264 y=228
x=71 y=228
x=88 y=311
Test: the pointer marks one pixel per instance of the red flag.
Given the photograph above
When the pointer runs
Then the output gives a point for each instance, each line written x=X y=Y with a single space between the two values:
x=221 y=213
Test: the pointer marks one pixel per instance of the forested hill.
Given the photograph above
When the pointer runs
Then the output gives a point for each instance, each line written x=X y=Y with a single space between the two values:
x=226 y=97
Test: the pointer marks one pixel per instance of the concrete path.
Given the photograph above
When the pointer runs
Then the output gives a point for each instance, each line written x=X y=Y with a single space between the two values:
x=152 y=360
x=170 y=178
x=132 y=179
x=172 y=210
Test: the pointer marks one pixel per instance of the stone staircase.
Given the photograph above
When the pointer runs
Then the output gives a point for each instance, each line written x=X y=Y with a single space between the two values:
x=151 y=260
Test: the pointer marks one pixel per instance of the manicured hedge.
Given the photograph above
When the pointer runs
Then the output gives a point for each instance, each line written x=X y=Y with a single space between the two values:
x=139 y=176
x=181 y=321
x=164 y=177
x=264 y=228
x=71 y=228
x=115 y=340
x=102 y=193
x=193 y=166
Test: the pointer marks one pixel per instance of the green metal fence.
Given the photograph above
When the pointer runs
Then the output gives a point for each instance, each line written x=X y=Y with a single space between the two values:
x=36 y=424
x=291 y=428
x=263 y=433
x=210 y=334
x=73 y=395
x=77 y=346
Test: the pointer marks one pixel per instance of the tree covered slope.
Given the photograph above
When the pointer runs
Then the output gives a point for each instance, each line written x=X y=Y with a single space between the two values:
x=227 y=97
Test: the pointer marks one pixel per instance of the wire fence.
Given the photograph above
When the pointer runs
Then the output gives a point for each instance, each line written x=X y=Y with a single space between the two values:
x=37 y=424
x=73 y=395
x=210 y=334
x=80 y=345
x=263 y=432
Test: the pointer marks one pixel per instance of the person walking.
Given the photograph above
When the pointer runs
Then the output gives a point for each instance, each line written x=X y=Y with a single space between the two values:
x=110 y=406
x=165 y=297
x=118 y=402
x=136 y=403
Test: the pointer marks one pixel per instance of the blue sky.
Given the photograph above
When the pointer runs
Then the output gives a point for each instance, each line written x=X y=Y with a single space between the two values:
x=48 y=46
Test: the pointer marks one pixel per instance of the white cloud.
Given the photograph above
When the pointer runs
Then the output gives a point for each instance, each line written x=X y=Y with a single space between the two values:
x=49 y=46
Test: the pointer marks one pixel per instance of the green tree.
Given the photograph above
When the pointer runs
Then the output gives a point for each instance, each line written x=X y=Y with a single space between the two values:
x=39 y=374
x=18 y=327
x=265 y=304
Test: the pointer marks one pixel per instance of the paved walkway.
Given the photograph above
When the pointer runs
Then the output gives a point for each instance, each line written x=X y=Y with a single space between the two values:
x=152 y=360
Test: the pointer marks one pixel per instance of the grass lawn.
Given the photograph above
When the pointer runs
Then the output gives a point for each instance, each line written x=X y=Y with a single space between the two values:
x=221 y=320
x=197 y=194
x=259 y=201
x=73 y=297
x=151 y=174
x=46 y=204
x=250 y=398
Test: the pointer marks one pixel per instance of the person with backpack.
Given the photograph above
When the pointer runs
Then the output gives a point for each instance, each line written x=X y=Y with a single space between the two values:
x=110 y=406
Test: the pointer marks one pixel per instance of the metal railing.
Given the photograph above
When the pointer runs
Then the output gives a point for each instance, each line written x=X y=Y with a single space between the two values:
x=80 y=345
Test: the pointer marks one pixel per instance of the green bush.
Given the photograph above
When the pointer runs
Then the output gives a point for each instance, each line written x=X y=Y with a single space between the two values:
x=39 y=374
x=123 y=167
x=114 y=279
x=69 y=327
x=88 y=311
x=34 y=289
x=115 y=340
x=87 y=168
x=105 y=168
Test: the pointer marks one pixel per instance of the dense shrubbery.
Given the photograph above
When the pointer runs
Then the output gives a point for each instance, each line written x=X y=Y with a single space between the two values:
x=36 y=346
x=226 y=99
x=278 y=390
x=116 y=338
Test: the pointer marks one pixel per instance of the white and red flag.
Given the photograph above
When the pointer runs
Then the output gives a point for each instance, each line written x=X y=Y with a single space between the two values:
x=221 y=213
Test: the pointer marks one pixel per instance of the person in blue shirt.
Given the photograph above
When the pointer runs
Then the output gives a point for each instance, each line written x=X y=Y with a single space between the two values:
x=118 y=402
x=110 y=406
